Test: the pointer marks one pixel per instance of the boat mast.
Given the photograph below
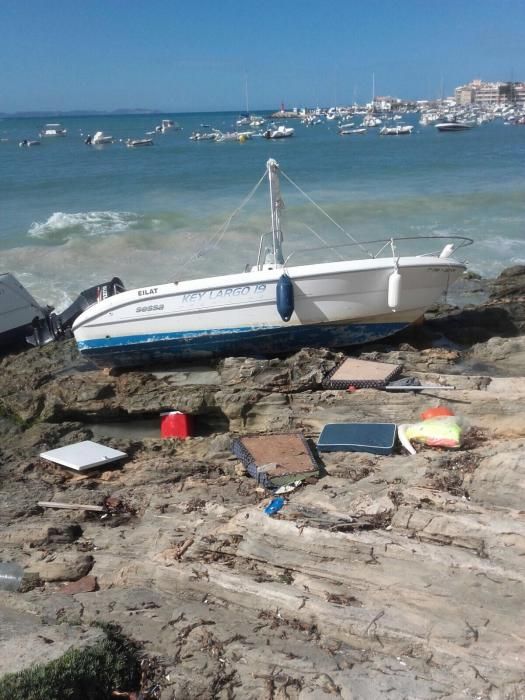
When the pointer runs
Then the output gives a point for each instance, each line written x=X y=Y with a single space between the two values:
x=276 y=204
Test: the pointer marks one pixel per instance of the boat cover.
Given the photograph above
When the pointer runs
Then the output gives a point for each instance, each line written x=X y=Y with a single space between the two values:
x=363 y=374
x=377 y=438
x=276 y=459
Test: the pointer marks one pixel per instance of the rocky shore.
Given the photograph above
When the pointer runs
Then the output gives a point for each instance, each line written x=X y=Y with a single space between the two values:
x=390 y=576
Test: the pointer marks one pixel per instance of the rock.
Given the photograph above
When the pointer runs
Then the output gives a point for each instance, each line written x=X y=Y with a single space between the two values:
x=25 y=642
x=65 y=567
x=86 y=584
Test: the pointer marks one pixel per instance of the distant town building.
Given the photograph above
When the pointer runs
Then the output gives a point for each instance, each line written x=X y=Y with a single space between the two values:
x=483 y=93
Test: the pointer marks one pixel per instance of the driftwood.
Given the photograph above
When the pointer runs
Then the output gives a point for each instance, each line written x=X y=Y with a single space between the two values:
x=71 y=506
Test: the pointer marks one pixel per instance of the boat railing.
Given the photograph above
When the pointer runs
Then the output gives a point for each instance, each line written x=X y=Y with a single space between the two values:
x=456 y=242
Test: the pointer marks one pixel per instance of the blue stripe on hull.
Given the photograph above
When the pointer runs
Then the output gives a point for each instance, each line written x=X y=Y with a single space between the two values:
x=139 y=350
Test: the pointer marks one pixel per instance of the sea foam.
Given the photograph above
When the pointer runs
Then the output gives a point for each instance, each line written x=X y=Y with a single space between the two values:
x=61 y=225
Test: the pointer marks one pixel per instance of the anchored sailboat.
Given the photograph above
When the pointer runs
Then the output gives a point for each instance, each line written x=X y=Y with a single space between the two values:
x=272 y=307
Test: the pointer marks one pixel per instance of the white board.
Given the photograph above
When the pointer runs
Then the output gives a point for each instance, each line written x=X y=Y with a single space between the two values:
x=83 y=455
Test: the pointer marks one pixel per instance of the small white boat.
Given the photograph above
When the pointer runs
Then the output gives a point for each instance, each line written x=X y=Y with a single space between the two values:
x=26 y=144
x=370 y=121
x=136 y=143
x=101 y=139
x=453 y=126
x=399 y=130
x=221 y=136
x=347 y=132
x=281 y=132
x=168 y=125
x=274 y=306
x=53 y=130
x=203 y=136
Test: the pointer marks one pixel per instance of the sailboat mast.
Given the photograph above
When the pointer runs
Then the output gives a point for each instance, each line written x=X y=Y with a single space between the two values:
x=276 y=204
x=246 y=92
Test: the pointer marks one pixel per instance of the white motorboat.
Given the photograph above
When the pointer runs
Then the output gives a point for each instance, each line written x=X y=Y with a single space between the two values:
x=53 y=130
x=281 y=132
x=398 y=130
x=168 y=125
x=346 y=132
x=203 y=136
x=453 y=126
x=274 y=306
x=136 y=143
x=27 y=144
x=370 y=121
x=221 y=136
x=101 y=139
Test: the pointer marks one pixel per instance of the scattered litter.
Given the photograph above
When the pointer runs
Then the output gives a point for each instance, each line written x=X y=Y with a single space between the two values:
x=175 y=424
x=70 y=506
x=277 y=459
x=401 y=434
x=413 y=384
x=443 y=431
x=275 y=505
x=288 y=489
x=11 y=575
x=405 y=381
x=361 y=374
x=83 y=455
x=436 y=412
x=377 y=438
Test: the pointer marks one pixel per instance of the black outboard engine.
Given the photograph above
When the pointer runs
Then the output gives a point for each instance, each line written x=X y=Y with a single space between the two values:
x=55 y=326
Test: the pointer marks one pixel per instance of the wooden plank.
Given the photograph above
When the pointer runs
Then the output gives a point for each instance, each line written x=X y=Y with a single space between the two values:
x=71 y=506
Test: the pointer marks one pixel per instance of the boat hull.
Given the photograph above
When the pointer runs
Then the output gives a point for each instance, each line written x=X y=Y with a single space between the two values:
x=335 y=304
x=145 y=349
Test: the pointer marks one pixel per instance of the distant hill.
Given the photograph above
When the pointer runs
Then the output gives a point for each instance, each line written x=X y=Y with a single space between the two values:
x=80 y=113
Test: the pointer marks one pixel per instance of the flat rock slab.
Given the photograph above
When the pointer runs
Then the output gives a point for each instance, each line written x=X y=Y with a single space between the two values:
x=86 y=584
x=25 y=642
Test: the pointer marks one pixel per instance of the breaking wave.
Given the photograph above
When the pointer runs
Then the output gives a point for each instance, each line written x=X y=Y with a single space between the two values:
x=61 y=226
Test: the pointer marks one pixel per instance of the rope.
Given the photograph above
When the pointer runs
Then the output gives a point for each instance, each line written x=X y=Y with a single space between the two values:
x=221 y=231
x=341 y=257
x=348 y=235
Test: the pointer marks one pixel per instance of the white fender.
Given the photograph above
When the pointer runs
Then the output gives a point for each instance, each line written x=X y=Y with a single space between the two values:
x=447 y=251
x=394 y=289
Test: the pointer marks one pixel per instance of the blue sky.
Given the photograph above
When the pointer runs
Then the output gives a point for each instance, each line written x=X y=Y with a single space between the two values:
x=192 y=56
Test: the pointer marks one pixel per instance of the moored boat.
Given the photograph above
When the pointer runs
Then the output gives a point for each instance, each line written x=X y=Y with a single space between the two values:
x=273 y=307
x=453 y=126
x=136 y=143
x=281 y=132
x=101 y=139
x=53 y=130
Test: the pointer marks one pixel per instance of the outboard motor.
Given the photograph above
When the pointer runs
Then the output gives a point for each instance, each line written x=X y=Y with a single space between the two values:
x=55 y=326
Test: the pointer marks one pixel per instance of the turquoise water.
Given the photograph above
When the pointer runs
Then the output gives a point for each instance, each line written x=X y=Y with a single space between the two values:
x=73 y=215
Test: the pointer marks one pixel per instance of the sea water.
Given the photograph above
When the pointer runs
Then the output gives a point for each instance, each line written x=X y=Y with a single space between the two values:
x=73 y=215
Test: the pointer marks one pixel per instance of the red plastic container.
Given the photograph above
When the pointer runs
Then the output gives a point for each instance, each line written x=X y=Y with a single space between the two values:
x=175 y=424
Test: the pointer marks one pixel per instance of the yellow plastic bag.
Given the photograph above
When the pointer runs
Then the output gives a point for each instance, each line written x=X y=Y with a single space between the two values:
x=442 y=431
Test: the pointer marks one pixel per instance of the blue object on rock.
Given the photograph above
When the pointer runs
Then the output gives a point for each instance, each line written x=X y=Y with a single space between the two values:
x=274 y=506
x=377 y=438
